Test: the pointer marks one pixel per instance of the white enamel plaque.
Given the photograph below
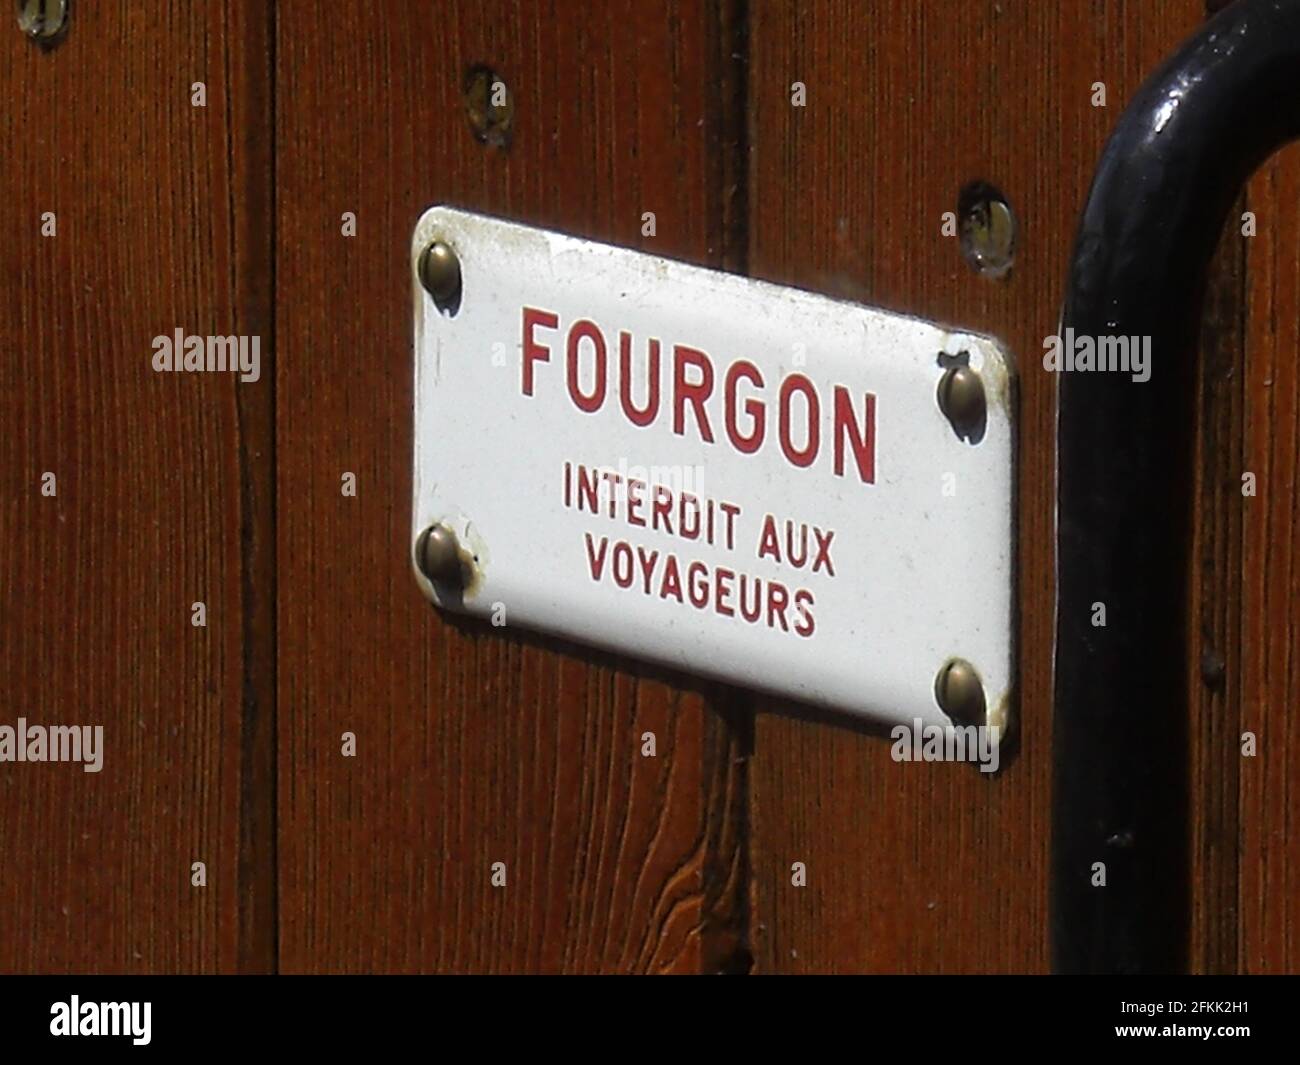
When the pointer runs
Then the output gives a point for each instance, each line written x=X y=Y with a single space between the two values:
x=727 y=477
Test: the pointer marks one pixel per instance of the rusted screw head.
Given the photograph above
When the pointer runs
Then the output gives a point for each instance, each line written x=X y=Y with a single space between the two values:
x=959 y=692
x=440 y=274
x=438 y=555
x=42 y=20
x=961 y=398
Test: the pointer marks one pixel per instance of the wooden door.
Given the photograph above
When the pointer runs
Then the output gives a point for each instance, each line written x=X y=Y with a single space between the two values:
x=352 y=768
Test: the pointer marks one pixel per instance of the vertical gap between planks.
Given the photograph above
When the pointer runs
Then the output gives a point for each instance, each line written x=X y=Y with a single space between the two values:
x=253 y=207
x=725 y=946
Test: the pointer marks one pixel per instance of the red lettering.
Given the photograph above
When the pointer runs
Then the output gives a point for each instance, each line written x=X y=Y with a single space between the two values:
x=663 y=503
x=778 y=598
x=730 y=510
x=535 y=352
x=745 y=444
x=672 y=583
x=697 y=584
x=797 y=382
x=768 y=545
x=803 y=601
x=577 y=332
x=588 y=486
x=790 y=557
x=647 y=565
x=823 y=550
x=744 y=413
x=695 y=394
x=692 y=533
x=597 y=561
x=622 y=564
x=863 y=443
x=724 y=577
x=613 y=480
x=635 y=498
x=650 y=411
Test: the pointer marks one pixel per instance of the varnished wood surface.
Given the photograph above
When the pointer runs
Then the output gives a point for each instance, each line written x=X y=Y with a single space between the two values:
x=1214 y=616
x=475 y=745
x=160 y=482
x=928 y=867
x=1269 y=906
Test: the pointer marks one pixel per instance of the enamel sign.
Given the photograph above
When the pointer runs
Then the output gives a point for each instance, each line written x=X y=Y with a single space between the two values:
x=727 y=477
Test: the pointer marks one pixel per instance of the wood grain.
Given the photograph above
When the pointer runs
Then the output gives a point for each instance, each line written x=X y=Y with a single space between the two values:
x=928 y=867
x=1270 y=577
x=154 y=200
x=477 y=745
x=1215 y=611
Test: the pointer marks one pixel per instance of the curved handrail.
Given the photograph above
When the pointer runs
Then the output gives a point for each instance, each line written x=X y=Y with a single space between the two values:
x=1169 y=173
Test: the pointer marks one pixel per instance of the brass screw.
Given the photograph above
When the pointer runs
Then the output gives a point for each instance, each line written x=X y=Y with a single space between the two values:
x=959 y=692
x=961 y=398
x=438 y=555
x=42 y=20
x=440 y=275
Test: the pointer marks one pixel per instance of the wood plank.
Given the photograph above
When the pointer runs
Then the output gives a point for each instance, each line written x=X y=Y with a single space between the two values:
x=1215 y=612
x=477 y=745
x=154 y=200
x=928 y=867
x=1270 y=577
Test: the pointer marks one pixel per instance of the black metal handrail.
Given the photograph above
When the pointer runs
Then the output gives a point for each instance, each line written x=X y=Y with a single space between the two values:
x=1170 y=171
